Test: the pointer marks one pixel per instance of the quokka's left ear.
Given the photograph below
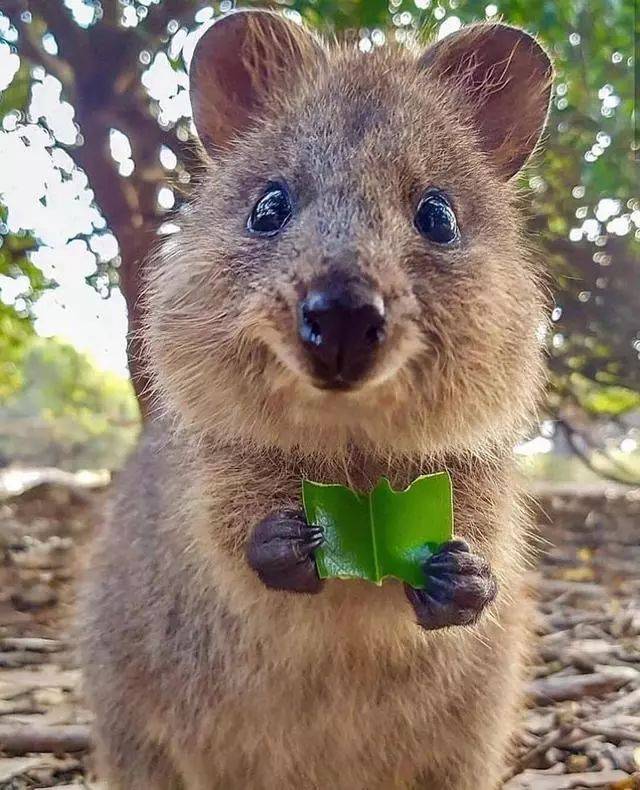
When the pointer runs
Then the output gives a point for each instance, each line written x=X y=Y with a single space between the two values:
x=505 y=77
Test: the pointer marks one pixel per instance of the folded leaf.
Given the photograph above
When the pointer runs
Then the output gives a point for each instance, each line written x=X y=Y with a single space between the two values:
x=382 y=533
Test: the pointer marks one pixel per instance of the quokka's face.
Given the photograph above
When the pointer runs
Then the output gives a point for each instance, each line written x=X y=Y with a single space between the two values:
x=351 y=268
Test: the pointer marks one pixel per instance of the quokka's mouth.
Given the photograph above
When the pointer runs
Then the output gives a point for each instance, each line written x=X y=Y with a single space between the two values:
x=338 y=385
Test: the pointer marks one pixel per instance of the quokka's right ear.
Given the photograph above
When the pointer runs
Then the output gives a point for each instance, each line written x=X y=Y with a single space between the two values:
x=242 y=62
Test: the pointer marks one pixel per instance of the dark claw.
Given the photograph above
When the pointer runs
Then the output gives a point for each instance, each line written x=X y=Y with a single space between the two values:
x=455 y=545
x=312 y=545
x=458 y=563
x=468 y=592
x=459 y=586
x=280 y=550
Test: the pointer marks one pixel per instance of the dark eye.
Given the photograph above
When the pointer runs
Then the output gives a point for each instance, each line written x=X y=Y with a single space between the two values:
x=271 y=213
x=435 y=219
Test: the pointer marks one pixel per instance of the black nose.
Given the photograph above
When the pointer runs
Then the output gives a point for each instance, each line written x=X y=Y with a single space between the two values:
x=341 y=327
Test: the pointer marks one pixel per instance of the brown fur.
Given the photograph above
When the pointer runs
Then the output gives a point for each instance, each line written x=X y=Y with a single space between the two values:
x=201 y=677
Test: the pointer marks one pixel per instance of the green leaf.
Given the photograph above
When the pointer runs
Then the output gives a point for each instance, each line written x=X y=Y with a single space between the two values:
x=383 y=533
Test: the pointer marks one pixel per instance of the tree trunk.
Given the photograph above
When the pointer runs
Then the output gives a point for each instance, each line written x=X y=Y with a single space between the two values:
x=129 y=209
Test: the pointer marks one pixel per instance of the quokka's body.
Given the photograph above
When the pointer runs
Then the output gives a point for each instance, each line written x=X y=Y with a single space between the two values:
x=209 y=662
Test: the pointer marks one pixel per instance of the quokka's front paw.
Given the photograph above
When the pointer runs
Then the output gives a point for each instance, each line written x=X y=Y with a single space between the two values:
x=460 y=585
x=280 y=551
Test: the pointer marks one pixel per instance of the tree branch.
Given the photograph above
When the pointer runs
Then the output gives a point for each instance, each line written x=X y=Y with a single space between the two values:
x=169 y=9
x=570 y=433
x=69 y=36
x=31 y=47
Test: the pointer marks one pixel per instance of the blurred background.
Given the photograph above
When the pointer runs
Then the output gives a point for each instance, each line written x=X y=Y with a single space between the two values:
x=96 y=157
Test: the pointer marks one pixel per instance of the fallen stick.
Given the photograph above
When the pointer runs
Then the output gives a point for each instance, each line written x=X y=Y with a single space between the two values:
x=610 y=732
x=629 y=703
x=16 y=740
x=22 y=658
x=31 y=643
x=535 y=780
x=554 y=587
x=576 y=687
x=550 y=740
x=20 y=708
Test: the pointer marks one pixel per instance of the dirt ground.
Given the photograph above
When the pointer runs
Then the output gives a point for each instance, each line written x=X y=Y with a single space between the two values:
x=582 y=727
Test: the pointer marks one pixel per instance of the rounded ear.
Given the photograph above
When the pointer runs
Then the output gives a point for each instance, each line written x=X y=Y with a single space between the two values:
x=506 y=76
x=242 y=61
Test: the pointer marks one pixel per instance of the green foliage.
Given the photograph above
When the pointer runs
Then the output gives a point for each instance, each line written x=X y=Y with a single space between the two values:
x=349 y=14
x=15 y=319
x=73 y=415
x=605 y=401
x=15 y=324
x=15 y=331
x=15 y=96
